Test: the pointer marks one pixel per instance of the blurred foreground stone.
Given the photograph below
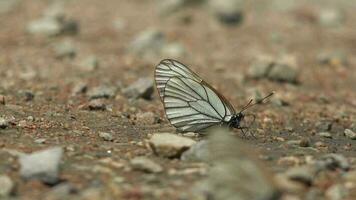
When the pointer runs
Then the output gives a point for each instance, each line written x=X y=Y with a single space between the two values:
x=236 y=173
x=170 y=145
x=42 y=165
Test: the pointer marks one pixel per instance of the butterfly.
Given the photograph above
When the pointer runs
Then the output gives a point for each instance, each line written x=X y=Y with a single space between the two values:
x=191 y=104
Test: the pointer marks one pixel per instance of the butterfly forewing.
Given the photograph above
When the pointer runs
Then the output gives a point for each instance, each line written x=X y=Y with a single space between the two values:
x=167 y=69
x=190 y=103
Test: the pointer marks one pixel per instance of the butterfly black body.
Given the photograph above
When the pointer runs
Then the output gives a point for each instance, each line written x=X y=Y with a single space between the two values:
x=236 y=120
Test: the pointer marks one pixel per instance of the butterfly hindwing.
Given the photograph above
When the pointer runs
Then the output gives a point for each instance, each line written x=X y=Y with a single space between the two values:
x=191 y=106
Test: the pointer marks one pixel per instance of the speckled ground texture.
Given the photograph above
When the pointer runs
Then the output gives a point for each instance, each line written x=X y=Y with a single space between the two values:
x=43 y=107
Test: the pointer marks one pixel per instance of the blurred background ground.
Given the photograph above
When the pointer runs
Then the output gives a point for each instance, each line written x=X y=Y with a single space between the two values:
x=79 y=75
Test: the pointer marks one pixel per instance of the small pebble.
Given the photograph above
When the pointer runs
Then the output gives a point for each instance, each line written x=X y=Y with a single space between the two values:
x=146 y=165
x=325 y=134
x=3 y=123
x=40 y=141
x=97 y=104
x=2 y=99
x=106 y=136
x=350 y=134
x=305 y=142
x=65 y=49
x=90 y=63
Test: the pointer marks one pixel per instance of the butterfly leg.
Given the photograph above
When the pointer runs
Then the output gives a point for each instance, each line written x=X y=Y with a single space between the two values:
x=248 y=128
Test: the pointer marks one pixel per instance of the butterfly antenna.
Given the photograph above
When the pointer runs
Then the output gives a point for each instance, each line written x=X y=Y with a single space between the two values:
x=250 y=104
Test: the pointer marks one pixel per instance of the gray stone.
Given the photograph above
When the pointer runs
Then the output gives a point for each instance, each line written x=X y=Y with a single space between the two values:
x=331 y=17
x=283 y=72
x=97 y=104
x=148 y=42
x=61 y=191
x=40 y=141
x=65 y=49
x=350 y=134
x=6 y=186
x=259 y=69
x=3 y=123
x=235 y=169
x=198 y=152
x=90 y=63
x=332 y=161
x=45 y=26
x=102 y=91
x=146 y=118
x=305 y=142
x=336 y=192
x=325 y=134
x=168 y=7
x=323 y=126
x=173 y=50
x=106 y=136
x=303 y=174
x=143 y=88
x=79 y=88
x=170 y=145
x=145 y=164
x=27 y=95
x=42 y=165
x=55 y=11
x=334 y=57
x=227 y=11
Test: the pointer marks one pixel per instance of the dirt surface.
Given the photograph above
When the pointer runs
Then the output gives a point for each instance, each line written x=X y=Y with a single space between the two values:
x=37 y=87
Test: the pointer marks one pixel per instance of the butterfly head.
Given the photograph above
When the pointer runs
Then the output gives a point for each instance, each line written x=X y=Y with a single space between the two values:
x=236 y=120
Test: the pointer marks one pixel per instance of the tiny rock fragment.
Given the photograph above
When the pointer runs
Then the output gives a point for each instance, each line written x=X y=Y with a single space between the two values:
x=106 y=136
x=79 y=88
x=350 y=134
x=325 y=134
x=90 y=63
x=146 y=118
x=146 y=165
x=65 y=49
x=170 y=145
x=3 y=123
x=2 y=100
x=97 y=104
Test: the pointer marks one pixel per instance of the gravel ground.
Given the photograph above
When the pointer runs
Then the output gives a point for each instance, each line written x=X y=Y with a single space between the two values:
x=80 y=117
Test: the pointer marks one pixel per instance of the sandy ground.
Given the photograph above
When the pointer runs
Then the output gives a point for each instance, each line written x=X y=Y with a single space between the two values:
x=220 y=54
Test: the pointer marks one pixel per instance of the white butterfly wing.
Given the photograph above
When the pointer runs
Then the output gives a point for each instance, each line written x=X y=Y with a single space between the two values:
x=192 y=106
x=167 y=69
